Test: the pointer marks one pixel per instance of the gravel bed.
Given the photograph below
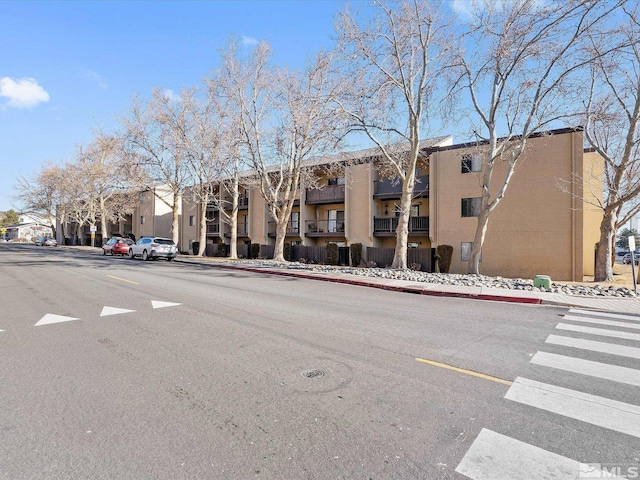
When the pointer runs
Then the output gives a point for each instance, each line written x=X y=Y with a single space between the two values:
x=453 y=279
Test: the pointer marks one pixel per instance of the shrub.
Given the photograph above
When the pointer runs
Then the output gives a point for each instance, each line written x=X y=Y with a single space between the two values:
x=372 y=264
x=356 y=254
x=415 y=266
x=254 y=250
x=287 y=251
x=332 y=253
x=222 y=250
x=444 y=254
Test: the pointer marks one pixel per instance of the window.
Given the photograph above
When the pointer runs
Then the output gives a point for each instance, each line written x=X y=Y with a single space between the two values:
x=336 y=221
x=471 y=162
x=295 y=222
x=415 y=211
x=141 y=219
x=471 y=207
x=465 y=251
x=335 y=181
x=192 y=220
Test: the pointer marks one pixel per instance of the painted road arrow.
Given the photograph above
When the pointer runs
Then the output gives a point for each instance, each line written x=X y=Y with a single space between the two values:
x=106 y=311
x=50 y=318
x=156 y=304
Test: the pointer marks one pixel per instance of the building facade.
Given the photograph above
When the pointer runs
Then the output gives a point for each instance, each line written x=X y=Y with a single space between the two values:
x=546 y=224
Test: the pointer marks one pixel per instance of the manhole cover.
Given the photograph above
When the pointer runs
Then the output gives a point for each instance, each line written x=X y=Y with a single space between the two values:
x=313 y=373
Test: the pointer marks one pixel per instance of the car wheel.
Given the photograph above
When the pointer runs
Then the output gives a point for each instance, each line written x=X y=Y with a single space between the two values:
x=131 y=254
x=103 y=252
x=145 y=255
x=169 y=259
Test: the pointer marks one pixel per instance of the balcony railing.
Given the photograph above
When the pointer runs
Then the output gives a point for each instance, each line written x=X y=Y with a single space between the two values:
x=328 y=194
x=242 y=230
x=293 y=228
x=213 y=227
x=390 y=224
x=392 y=188
x=325 y=228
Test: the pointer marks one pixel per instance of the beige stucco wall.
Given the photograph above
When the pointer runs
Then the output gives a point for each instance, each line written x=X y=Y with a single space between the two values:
x=593 y=189
x=536 y=229
x=359 y=204
x=258 y=217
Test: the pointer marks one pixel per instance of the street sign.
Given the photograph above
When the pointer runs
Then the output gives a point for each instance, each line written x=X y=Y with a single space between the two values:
x=632 y=246
x=632 y=242
x=93 y=229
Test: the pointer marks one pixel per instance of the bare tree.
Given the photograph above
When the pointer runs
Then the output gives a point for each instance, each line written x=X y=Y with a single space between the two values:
x=206 y=141
x=46 y=193
x=612 y=120
x=155 y=141
x=519 y=70
x=285 y=120
x=394 y=64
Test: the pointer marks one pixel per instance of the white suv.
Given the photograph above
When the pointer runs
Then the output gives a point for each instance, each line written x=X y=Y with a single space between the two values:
x=153 y=248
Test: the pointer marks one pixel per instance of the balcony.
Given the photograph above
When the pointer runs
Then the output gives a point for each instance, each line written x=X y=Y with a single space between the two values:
x=328 y=194
x=386 y=227
x=293 y=229
x=242 y=230
x=391 y=189
x=213 y=228
x=324 y=228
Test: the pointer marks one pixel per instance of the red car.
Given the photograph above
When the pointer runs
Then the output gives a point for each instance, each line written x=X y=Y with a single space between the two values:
x=117 y=246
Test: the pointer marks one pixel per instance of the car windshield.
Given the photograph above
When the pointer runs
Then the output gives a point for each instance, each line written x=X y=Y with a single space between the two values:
x=163 y=241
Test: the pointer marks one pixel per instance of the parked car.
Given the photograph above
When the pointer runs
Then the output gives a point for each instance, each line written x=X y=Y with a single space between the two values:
x=627 y=258
x=153 y=248
x=117 y=246
x=45 y=241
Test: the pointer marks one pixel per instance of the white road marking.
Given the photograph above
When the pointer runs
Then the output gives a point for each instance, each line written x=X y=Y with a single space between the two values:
x=157 y=304
x=615 y=373
x=493 y=456
x=598 y=331
x=605 y=314
x=602 y=347
x=50 y=318
x=601 y=321
x=603 y=412
x=113 y=311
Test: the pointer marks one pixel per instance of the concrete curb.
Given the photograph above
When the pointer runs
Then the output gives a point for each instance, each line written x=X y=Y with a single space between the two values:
x=364 y=283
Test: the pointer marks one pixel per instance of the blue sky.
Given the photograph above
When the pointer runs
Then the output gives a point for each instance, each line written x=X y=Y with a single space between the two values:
x=68 y=67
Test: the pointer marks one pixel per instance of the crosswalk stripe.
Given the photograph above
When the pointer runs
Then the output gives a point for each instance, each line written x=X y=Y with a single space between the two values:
x=605 y=314
x=614 y=373
x=598 y=331
x=601 y=321
x=602 y=347
x=493 y=456
x=603 y=412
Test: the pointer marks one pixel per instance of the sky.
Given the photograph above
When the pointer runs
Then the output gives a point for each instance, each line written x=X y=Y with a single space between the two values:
x=68 y=68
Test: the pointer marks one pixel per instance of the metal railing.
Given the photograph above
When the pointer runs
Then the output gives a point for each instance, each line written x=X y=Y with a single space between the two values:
x=390 y=224
x=386 y=187
x=328 y=194
x=324 y=226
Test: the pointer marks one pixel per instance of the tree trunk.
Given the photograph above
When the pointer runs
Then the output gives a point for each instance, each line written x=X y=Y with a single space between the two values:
x=402 y=230
x=233 y=221
x=203 y=228
x=175 y=219
x=478 y=241
x=603 y=269
x=281 y=233
x=103 y=220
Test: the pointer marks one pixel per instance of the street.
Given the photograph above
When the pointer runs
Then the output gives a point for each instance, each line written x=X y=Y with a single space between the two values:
x=122 y=369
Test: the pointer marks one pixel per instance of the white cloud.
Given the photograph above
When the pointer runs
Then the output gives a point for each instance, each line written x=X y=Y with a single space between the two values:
x=462 y=7
x=22 y=93
x=96 y=77
x=249 y=41
x=171 y=95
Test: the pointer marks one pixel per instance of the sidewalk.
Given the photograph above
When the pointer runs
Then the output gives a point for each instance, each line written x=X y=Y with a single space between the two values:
x=611 y=304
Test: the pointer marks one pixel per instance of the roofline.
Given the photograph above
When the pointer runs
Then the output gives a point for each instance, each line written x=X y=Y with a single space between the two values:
x=545 y=133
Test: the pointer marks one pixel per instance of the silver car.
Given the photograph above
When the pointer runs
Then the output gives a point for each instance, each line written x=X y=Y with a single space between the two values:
x=152 y=248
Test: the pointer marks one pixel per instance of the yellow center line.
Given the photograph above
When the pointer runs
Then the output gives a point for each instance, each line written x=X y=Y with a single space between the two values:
x=123 y=279
x=466 y=372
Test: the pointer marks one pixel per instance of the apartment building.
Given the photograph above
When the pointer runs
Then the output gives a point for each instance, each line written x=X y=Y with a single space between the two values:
x=546 y=223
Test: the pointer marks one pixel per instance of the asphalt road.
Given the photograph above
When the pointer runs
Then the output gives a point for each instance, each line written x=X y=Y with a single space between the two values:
x=176 y=371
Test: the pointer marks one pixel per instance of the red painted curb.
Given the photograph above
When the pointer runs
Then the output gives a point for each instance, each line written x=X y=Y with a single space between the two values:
x=361 y=283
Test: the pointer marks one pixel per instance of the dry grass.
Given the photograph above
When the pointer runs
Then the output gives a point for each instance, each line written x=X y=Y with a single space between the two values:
x=621 y=273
